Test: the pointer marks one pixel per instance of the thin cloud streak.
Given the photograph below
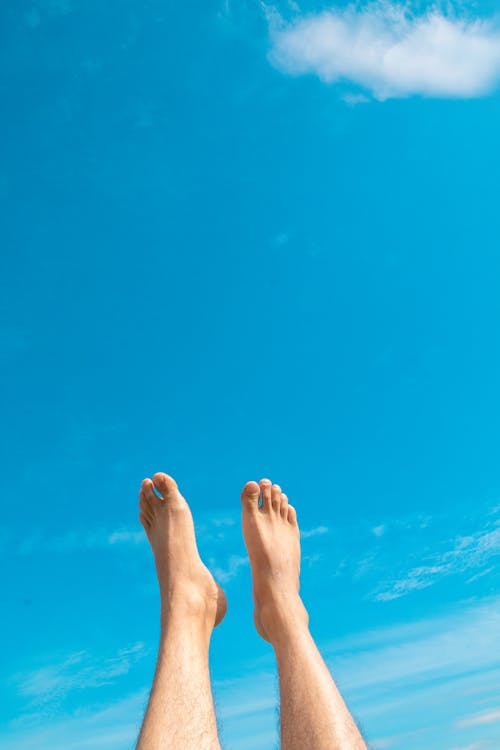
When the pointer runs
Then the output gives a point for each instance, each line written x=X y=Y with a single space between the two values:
x=485 y=717
x=113 y=727
x=403 y=670
x=319 y=530
x=430 y=648
x=466 y=553
x=225 y=572
x=77 y=671
x=384 y=673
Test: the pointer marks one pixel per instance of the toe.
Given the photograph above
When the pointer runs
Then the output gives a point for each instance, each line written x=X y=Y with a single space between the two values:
x=265 y=488
x=145 y=521
x=145 y=506
x=292 y=515
x=276 y=497
x=250 y=496
x=147 y=491
x=284 y=506
x=166 y=485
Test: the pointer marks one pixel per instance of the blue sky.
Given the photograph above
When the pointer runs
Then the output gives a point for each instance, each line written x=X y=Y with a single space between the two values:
x=244 y=240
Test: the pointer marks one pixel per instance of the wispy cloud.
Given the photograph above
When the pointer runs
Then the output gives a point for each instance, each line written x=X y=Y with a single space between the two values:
x=215 y=529
x=397 y=678
x=317 y=531
x=465 y=553
x=76 y=671
x=225 y=572
x=393 y=558
x=410 y=670
x=485 y=717
x=430 y=648
x=126 y=537
x=92 y=727
x=75 y=540
x=389 y=51
x=381 y=744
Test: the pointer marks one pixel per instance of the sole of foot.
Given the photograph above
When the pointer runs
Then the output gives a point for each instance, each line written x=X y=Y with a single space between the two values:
x=272 y=538
x=187 y=588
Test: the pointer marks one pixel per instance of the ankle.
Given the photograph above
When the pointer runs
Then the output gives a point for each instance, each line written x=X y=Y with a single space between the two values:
x=188 y=607
x=282 y=616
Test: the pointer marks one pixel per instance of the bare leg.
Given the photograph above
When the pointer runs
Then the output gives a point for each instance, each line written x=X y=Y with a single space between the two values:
x=180 y=713
x=313 y=714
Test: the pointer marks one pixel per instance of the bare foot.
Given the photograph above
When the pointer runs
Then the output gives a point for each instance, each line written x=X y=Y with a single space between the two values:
x=272 y=538
x=187 y=587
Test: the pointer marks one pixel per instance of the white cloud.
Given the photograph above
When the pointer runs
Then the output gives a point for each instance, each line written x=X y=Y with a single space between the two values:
x=228 y=570
x=87 y=728
x=424 y=650
x=479 y=575
x=224 y=521
x=485 y=717
x=311 y=560
x=126 y=537
x=79 y=671
x=398 y=679
x=393 y=677
x=466 y=553
x=215 y=528
x=353 y=99
x=391 y=52
x=318 y=530
x=281 y=239
x=79 y=540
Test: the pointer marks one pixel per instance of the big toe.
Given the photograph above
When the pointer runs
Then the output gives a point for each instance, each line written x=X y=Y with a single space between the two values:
x=250 y=495
x=166 y=485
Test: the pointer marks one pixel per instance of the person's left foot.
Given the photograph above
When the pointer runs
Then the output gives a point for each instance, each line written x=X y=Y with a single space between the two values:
x=187 y=587
x=272 y=539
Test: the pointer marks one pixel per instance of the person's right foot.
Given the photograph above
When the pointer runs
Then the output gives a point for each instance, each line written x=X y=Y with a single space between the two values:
x=272 y=538
x=187 y=588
